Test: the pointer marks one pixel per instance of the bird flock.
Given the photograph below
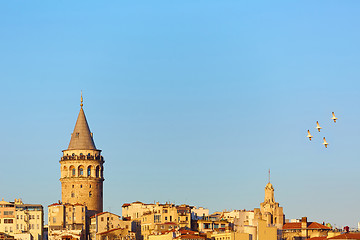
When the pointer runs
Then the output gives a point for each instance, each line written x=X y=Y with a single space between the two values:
x=319 y=128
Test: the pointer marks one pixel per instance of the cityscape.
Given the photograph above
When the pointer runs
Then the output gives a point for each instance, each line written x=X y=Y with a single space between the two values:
x=162 y=120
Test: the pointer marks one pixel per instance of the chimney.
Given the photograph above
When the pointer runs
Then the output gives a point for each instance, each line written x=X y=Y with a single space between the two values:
x=304 y=222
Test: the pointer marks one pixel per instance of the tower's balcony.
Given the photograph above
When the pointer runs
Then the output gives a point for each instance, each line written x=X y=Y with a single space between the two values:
x=82 y=157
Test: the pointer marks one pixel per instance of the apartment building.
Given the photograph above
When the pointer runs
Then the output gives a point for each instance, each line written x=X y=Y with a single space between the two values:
x=67 y=221
x=23 y=221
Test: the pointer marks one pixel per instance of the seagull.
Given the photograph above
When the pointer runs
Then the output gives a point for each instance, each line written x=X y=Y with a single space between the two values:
x=334 y=118
x=317 y=126
x=309 y=135
x=325 y=143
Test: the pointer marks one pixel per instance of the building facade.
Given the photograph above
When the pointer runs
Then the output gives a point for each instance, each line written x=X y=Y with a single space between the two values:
x=23 y=221
x=67 y=221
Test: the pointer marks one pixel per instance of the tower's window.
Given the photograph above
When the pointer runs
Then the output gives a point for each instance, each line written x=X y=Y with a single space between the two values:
x=89 y=171
x=72 y=194
x=81 y=171
x=90 y=185
x=80 y=186
x=72 y=186
x=73 y=171
x=90 y=194
x=97 y=171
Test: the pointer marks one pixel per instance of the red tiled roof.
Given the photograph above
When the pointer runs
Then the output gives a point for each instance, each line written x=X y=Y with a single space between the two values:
x=126 y=204
x=315 y=225
x=54 y=204
x=310 y=225
x=98 y=214
x=347 y=236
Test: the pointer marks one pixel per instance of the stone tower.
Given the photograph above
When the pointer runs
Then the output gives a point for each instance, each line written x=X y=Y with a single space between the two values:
x=269 y=209
x=82 y=168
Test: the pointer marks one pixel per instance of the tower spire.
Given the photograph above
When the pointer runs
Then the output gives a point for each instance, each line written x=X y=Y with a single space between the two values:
x=269 y=175
x=81 y=100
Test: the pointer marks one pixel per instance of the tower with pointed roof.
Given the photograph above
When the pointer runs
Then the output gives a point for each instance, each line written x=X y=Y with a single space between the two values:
x=82 y=168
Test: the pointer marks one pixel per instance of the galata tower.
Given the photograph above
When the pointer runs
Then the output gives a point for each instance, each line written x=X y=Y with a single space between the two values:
x=82 y=168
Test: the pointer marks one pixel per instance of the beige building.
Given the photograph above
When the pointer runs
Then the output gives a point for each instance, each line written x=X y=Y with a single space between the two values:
x=199 y=213
x=109 y=225
x=82 y=169
x=155 y=217
x=67 y=221
x=23 y=221
x=270 y=211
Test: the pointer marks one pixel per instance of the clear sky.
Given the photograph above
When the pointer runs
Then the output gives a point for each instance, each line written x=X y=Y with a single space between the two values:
x=191 y=101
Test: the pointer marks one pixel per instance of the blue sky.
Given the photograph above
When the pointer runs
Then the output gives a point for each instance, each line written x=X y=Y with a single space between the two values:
x=190 y=101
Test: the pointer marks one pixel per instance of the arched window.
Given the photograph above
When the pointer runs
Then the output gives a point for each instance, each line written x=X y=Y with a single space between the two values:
x=81 y=170
x=97 y=171
x=90 y=194
x=89 y=171
x=73 y=172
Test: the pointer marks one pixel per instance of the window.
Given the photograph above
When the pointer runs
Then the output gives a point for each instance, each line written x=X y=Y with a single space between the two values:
x=6 y=229
x=90 y=185
x=81 y=186
x=38 y=216
x=89 y=171
x=102 y=219
x=165 y=218
x=90 y=194
x=72 y=194
x=8 y=212
x=37 y=226
x=20 y=216
x=72 y=186
x=81 y=171
x=8 y=220
x=73 y=172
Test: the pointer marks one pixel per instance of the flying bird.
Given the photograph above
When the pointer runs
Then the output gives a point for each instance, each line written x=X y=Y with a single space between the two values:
x=334 y=118
x=309 y=135
x=325 y=143
x=317 y=126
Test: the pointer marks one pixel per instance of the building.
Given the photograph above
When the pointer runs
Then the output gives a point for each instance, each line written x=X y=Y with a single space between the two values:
x=155 y=217
x=304 y=230
x=22 y=221
x=270 y=211
x=67 y=221
x=82 y=169
x=199 y=213
x=213 y=223
x=108 y=225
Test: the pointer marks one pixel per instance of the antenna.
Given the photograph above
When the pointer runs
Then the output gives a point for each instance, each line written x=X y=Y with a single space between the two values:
x=269 y=175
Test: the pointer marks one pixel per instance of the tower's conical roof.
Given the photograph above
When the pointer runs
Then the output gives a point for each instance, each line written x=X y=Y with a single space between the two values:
x=81 y=138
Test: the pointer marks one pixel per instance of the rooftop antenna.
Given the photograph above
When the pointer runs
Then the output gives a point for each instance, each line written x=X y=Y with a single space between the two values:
x=269 y=175
x=81 y=100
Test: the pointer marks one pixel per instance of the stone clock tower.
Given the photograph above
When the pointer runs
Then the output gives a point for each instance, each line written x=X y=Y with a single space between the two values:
x=82 y=169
